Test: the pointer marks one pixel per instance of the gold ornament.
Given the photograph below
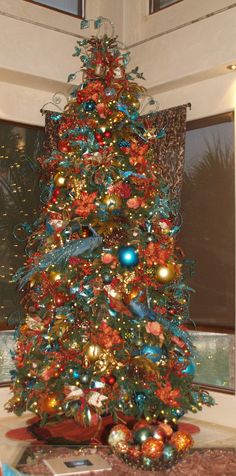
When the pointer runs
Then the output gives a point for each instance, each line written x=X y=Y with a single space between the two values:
x=165 y=273
x=92 y=352
x=144 y=365
x=60 y=180
x=54 y=276
x=32 y=281
x=77 y=186
x=112 y=202
x=106 y=363
x=181 y=440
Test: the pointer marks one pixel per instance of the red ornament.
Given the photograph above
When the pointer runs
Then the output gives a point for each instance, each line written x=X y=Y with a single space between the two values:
x=111 y=379
x=140 y=424
x=56 y=192
x=98 y=137
x=167 y=430
x=64 y=146
x=60 y=299
x=107 y=134
x=152 y=448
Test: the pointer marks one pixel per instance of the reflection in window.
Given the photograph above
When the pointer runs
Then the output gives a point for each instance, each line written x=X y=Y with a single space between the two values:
x=19 y=207
x=208 y=238
x=215 y=364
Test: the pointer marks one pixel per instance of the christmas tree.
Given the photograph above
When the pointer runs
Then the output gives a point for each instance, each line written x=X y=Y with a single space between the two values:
x=105 y=300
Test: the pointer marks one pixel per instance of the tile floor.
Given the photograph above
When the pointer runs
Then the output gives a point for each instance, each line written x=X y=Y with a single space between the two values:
x=210 y=436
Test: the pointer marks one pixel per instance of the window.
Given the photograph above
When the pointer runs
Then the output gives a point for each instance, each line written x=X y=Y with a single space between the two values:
x=208 y=237
x=157 y=5
x=20 y=145
x=72 y=7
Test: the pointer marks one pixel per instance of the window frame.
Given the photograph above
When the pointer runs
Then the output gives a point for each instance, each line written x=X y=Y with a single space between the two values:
x=153 y=10
x=61 y=11
x=3 y=326
x=190 y=126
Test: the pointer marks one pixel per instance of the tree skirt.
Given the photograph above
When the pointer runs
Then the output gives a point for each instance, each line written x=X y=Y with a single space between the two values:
x=208 y=462
x=70 y=431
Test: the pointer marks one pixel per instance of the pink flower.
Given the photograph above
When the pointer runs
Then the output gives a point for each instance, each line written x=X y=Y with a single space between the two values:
x=154 y=328
x=134 y=202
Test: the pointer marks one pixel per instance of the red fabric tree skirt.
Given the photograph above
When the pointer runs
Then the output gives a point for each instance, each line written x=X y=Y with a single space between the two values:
x=71 y=431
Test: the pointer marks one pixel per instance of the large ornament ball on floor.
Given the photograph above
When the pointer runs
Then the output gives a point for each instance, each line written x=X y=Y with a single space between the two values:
x=142 y=435
x=152 y=448
x=119 y=433
x=181 y=440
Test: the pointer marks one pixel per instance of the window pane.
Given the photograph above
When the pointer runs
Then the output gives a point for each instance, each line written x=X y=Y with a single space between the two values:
x=70 y=6
x=215 y=359
x=166 y=3
x=19 y=207
x=156 y=5
x=208 y=231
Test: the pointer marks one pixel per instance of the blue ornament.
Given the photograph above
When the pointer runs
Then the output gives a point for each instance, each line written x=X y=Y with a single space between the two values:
x=140 y=398
x=107 y=278
x=177 y=412
x=75 y=373
x=128 y=256
x=133 y=116
x=152 y=352
x=190 y=368
x=123 y=143
x=168 y=453
x=89 y=105
x=112 y=312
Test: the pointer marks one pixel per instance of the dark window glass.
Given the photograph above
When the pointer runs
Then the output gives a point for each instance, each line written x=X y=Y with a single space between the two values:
x=156 y=5
x=208 y=232
x=19 y=207
x=75 y=7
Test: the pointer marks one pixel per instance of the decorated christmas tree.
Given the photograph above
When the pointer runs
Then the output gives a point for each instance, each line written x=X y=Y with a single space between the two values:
x=106 y=303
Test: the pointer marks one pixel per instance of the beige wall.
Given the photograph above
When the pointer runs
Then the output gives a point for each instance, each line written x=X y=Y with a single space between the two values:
x=182 y=61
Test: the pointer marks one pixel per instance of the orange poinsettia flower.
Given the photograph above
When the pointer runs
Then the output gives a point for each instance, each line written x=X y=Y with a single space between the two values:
x=106 y=336
x=85 y=204
x=137 y=154
x=168 y=395
x=154 y=253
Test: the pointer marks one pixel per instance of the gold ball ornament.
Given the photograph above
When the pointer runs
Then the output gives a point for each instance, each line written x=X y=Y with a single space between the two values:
x=92 y=352
x=59 y=179
x=122 y=447
x=152 y=448
x=165 y=273
x=142 y=364
x=119 y=433
x=181 y=440
x=54 y=276
x=112 y=202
